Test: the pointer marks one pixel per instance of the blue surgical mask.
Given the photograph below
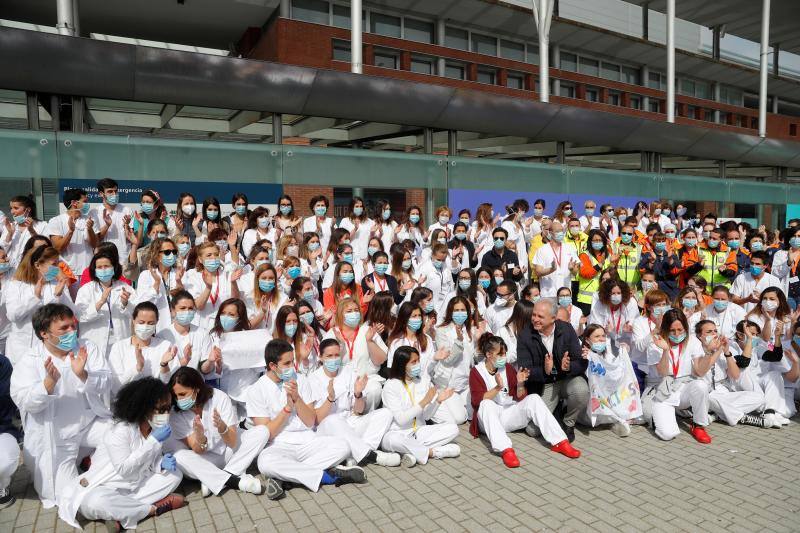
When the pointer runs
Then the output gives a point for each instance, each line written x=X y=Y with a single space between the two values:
x=290 y=330
x=241 y=210
x=386 y=214
x=320 y=210
x=313 y=246
x=666 y=212
x=20 y=219
x=498 y=280
x=184 y=404
x=598 y=347
x=689 y=303
x=485 y=283
x=307 y=318
x=382 y=268
x=212 y=215
x=263 y=222
x=691 y=243
x=428 y=309
x=309 y=296
x=68 y=341
x=756 y=246
x=168 y=260
x=558 y=236
x=437 y=264
x=755 y=342
x=347 y=277
x=564 y=301
x=266 y=285
x=406 y=264
x=734 y=244
x=615 y=299
x=184 y=318
x=794 y=242
x=212 y=265
x=567 y=212
x=347 y=258
x=499 y=363
x=660 y=310
x=626 y=239
x=713 y=243
x=52 y=273
x=677 y=339
x=589 y=212
x=228 y=322
x=285 y=209
x=756 y=270
x=415 y=371
x=720 y=305
x=85 y=208
x=499 y=243
x=597 y=246
x=287 y=374
x=5 y=267
x=413 y=219
x=371 y=250
x=183 y=248
x=461 y=236
x=112 y=199
x=147 y=207
x=414 y=324
x=796 y=339
x=464 y=284
x=459 y=317
x=294 y=272
x=332 y=365
x=352 y=319
x=104 y=274
x=358 y=211
x=660 y=246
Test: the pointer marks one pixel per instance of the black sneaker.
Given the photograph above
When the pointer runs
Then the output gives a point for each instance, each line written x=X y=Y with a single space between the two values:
x=369 y=459
x=6 y=498
x=273 y=488
x=348 y=474
x=570 y=431
x=758 y=421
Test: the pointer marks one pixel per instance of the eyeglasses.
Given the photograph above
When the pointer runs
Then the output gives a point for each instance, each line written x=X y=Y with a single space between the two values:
x=168 y=252
x=626 y=233
x=500 y=239
x=162 y=409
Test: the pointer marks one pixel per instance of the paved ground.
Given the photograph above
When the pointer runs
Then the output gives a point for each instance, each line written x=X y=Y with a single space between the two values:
x=747 y=480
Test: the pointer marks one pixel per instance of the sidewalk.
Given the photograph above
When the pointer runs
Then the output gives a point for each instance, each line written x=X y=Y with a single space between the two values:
x=746 y=480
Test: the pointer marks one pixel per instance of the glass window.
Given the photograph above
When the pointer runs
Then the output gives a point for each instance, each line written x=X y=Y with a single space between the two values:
x=630 y=75
x=687 y=87
x=418 y=30
x=341 y=51
x=483 y=44
x=487 y=76
x=590 y=67
x=310 y=11
x=422 y=65
x=569 y=62
x=452 y=70
x=533 y=54
x=610 y=71
x=613 y=98
x=512 y=50
x=515 y=81
x=701 y=89
x=592 y=95
x=729 y=95
x=385 y=59
x=655 y=106
x=341 y=17
x=456 y=38
x=567 y=91
x=635 y=102
x=654 y=80
x=384 y=25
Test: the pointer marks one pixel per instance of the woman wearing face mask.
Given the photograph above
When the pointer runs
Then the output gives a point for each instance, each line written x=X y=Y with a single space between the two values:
x=343 y=254
x=20 y=226
x=102 y=305
x=615 y=310
x=163 y=276
x=130 y=478
x=259 y=227
x=772 y=313
x=643 y=352
x=443 y=215
x=374 y=245
x=38 y=281
x=151 y=209
x=311 y=256
x=411 y=398
x=455 y=340
x=518 y=227
x=691 y=306
x=193 y=343
x=481 y=230
x=466 y=287
x=210 y=283
x=361 y=346
x=502 y=404
x=437 y=236
x=211 y=219
x=403 y=271
x=319 y=222
x=409 y=330
x=573 y=315
x=423 y=298
x=139 y=255
x=563 y=213
x=723 y=312
x=186 y=220
x=286 y=220
x=238 y=219
x=593 y=260
x=211 y=448
x=143 y=354
x=682 y=222
x=646 y=284
x=677 y=379
x=302 y=290
x=785 y=265
x=689 y=257
x=380 y=280
x=486 y=285
x=304 y=343
x=345 y=286
x=309 y=320
x=614 y=360
x=461 y=248
x=384 y=223
x=263 y=299
x=292 y=269
x=413 y=227
x=520 y=316
x=360 y=226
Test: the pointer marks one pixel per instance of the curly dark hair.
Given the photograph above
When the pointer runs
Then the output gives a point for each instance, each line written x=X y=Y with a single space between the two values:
x=137 y=400
x=192 y=379
x=604 y=292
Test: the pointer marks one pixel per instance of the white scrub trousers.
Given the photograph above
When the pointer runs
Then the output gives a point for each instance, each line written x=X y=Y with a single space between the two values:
x=496 y=421
x=129 y=507
x=732 y=406
x=68 y=453
x=303 y=463
x=363 y=433
x=213 y=469
x=453 y=410
x=692 y=394
x=9 y=458
x=420 y=443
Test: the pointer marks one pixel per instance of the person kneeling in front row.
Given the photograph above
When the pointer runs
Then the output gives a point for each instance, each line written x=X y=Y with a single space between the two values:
x=130 y=477
x=280 y=401
x=502 y=404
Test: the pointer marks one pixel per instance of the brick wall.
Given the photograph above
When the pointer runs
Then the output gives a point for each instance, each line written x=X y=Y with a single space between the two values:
x=415 y=197
x=302 y=194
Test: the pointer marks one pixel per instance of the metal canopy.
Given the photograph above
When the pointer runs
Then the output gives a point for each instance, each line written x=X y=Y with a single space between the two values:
x=97 y=69
x=740 y=17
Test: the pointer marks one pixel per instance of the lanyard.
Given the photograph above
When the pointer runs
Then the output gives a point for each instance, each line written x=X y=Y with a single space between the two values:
x=619 y=320
x=413 y=403
x=794 y=267
x=350 y=345
x=377 y=280
x=214 y=297
x=676 y=364
x=557 y=258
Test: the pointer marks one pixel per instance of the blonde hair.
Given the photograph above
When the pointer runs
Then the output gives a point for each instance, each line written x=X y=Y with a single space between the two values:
x=257 y=292
x=344 y=302
x=153 y=260
x=27 y=271
x=208 y=244
x=283 y=243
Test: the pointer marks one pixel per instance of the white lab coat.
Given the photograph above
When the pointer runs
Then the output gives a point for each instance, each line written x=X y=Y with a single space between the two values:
x=744 y=285
x=440 y=282
x=94 y=324
x=21 y=302
x=146 y=292
x=198 y=338
x=726 y=320
x=220 y=291
x=122 y=362
x=14 y=242
x=362 y=363
x=253 y=235
x=324 y=233
x=453 y=372
x=361 y=237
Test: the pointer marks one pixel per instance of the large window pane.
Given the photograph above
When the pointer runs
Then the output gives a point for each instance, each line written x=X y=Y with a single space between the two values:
x=422 y=65
x=341 y=17
x=568 y=91
x=701 y=89
x=512 y=50
x=341 y=51
x=483 y=44
x=418 y=30
x=486 y=76
x=515 y=81
x=452 y=70
x=590 y=67
x=569 y=62
x=456 y=38
x=310 y=11
x=654 y=80
x=630 y=75
x=384 y=25
x=687 y=87
x=533 y=54
x=385 y=60
x=610 y=71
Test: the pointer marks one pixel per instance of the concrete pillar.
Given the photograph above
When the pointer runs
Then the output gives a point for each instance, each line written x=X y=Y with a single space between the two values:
x=555 y=61
x=717 y=97
x=440 y=38
x=645 y=75
x=277 y=128
x=32 y=109
x=286 y=9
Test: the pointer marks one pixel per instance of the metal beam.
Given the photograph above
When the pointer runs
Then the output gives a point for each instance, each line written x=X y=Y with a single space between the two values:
x=277 y=128
x=244 y=118
x=78 y=114
x=310 y=124
x=168 y=112
x=543 y=16
x=670 y=60
x=762 y=86
x=560 y=152
x=427 y=141
x=452 y=142
x=32 y=110
x=716 y=32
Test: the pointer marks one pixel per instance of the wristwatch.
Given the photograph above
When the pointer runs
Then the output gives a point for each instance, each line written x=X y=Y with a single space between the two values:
x=728 y=354
x=164 y=365
x=359 y=395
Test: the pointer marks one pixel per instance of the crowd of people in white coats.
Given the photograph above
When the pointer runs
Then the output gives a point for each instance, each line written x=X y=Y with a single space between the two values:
x=143 y=346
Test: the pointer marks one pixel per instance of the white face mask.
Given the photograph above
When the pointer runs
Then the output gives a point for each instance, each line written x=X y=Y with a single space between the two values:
x=769 y=305
x=188 y=209
x=144 y=331
x=159 y=420
x=292 y=250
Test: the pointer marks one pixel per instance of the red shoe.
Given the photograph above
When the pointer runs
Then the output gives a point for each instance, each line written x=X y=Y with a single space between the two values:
x=170 y=503
x=510 y=458
x=565 y=448
x=700 y=435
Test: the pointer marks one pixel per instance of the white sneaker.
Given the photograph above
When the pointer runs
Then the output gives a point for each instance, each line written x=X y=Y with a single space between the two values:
x=408 y=460
x=350 y=462
x=205 y=492
x=711 y=418
x=448 y=450
x=771 y=421
x=387 y=459
x=251 y=484
x=782 y=420
x=621 y=429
